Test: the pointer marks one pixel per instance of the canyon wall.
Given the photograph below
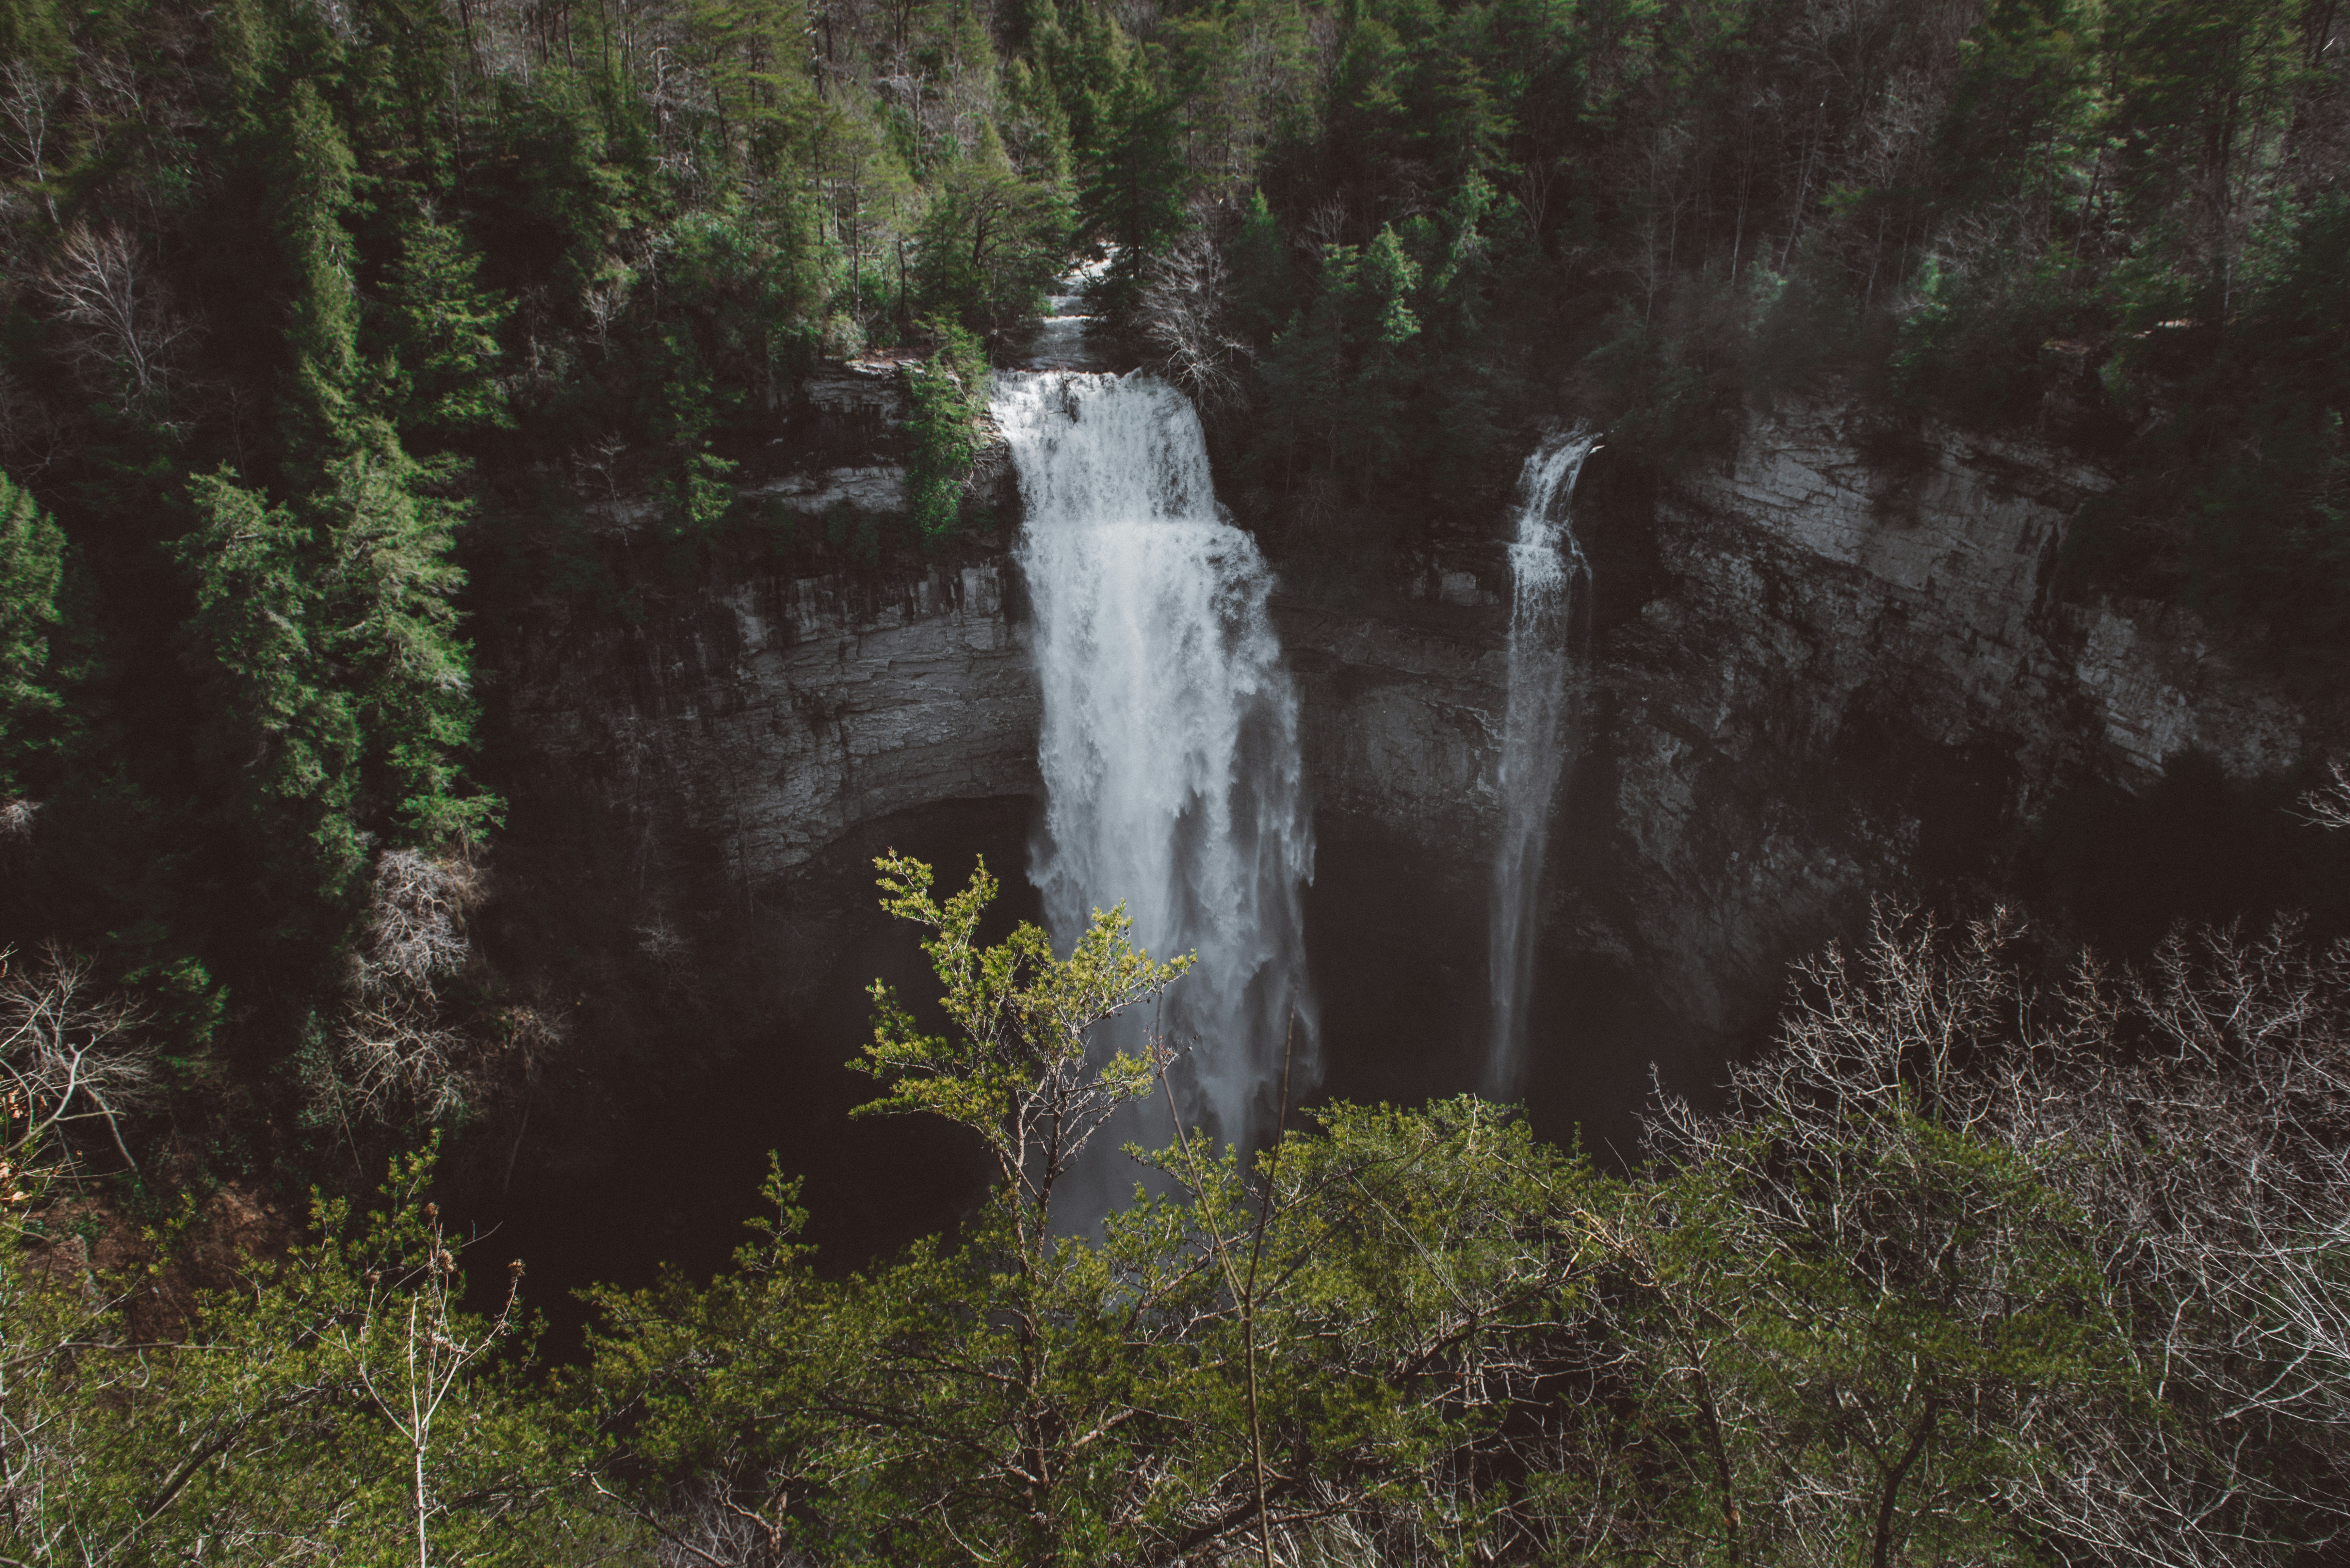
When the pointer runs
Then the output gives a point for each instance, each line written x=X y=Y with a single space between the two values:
x=1820 y=670
x=773 y=715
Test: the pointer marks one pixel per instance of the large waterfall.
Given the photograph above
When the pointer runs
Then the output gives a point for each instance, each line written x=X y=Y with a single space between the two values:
x=1169 y=744
x=1550 y=578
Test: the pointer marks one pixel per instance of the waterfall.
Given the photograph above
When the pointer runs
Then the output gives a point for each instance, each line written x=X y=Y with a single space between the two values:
x=1061 y=338
x=1549 y=577
x=1170 y=742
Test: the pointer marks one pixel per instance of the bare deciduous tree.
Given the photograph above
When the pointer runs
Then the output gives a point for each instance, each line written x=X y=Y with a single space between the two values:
x=2199 y=1117
x=712 y=1528
x=28 y=102
x=72 y=1055
x=125 y=330
x=395 y=1051
x=415 y=931
x=2328 y=806
x=2192 y=1122
x=410 y=1348
x=1182 y=315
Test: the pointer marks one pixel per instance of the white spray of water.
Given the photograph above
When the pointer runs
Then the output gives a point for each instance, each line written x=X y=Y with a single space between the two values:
x=1169 y=743
x=1550 y=574
x=1061 y=338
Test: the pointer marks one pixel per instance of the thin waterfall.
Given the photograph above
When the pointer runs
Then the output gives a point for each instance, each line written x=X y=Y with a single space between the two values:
x=1170 y=742
x=1549 y=580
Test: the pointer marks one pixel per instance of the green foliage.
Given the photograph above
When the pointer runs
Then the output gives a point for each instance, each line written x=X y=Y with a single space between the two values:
x=948 y=402
x=254 y=601
x=1021 y=1018
x=32 y=570
x=1945 y=1263
x=1986 y=347
x=306 y=304
x=1133 y=198
x=1337 y=372
x=313 y=188
x=443 y=352
x=991 y=242
x=340 y=707
x=1666 y=218
x=338 y=1403
x=437 y=280
x=1870 y=1312
x=1847 y=1326
x=1263 y=288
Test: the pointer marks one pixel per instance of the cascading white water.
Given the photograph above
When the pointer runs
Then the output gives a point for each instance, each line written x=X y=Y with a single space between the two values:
x=1061 y=338
x=1169 y=743
x=1549 y=574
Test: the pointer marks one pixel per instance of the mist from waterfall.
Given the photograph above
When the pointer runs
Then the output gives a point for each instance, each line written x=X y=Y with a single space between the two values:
x=1550 y=581
x=1170 y=745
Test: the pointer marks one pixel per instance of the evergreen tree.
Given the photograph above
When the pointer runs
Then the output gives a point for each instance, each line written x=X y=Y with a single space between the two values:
x=339 y=705
x=439 y=372
x=1133 y=198
x=313 y=190
x=32 y=570
x=991 y=242
x=1263 y=287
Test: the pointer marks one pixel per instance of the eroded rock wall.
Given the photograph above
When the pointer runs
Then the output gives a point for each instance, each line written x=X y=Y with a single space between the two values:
x=769 y=717
x=1820 y=670
x=1841 y=671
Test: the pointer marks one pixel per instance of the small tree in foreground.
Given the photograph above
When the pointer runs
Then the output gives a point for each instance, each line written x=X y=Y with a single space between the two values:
x=337 y=1405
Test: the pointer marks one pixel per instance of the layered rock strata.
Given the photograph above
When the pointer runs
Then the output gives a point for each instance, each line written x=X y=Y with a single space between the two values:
x=1819 y=674
x=1821 y=669
x=770 y=717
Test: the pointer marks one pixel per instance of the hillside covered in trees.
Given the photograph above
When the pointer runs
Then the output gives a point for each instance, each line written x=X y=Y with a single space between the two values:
x=333 y=332
x=329 y=325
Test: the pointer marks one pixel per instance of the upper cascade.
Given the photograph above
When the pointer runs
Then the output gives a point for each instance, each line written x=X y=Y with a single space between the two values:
x=1063 y=339
x=1169 y=737
x=1549 y=576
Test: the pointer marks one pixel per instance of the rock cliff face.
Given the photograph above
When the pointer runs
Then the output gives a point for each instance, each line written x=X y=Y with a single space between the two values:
x=772 y=716
x=1856 y=676
x=739 y=724
x=1821 y=670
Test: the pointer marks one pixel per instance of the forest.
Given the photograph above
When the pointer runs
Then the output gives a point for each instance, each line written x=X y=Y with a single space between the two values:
x=334 y=332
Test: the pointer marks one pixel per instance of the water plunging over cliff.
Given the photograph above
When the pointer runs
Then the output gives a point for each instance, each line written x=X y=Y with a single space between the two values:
x=1550 y=574
x=1168 y=746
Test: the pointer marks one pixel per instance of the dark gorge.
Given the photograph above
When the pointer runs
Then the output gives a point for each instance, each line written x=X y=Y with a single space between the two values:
x=1795 y=697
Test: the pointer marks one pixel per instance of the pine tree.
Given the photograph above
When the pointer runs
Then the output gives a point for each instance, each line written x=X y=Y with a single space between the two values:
x=439 y=382
x=315 y=174
x=31 y=568
x=1134 y=196
x=278 y=732
x=340 y=702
